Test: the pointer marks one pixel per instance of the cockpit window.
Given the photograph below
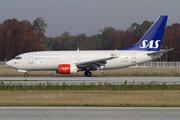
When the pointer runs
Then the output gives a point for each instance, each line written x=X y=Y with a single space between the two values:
x=17 y=57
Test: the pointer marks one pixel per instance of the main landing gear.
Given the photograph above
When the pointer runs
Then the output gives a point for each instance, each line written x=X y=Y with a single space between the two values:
x=88 y=74
x=26 y=74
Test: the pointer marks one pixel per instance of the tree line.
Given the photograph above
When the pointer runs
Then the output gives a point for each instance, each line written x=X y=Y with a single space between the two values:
x=18 y=37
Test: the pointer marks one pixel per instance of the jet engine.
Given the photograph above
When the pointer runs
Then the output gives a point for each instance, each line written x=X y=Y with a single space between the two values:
x=67 y=69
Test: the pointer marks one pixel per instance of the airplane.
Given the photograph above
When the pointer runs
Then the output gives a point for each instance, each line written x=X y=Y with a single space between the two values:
x=71 y=62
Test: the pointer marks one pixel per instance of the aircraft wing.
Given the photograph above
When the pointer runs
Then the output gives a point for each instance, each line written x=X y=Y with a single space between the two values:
x=160 y=52
x=94 y=64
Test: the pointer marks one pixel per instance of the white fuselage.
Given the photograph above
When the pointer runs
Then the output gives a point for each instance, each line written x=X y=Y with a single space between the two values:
x=49 y=60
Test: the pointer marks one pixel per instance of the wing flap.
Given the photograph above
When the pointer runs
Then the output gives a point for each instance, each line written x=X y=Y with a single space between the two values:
x=96 y=62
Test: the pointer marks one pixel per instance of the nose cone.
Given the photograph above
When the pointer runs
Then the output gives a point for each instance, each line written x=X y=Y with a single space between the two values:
x=9 y=63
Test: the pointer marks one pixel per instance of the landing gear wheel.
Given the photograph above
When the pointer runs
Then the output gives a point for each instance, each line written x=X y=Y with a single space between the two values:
x=88 y=74
x=25 y=74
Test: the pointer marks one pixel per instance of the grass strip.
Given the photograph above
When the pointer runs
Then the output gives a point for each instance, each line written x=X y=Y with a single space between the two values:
x=129 y=98
x=105 y=87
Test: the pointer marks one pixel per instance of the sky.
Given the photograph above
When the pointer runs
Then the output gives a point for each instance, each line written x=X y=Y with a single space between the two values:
x=89 y=16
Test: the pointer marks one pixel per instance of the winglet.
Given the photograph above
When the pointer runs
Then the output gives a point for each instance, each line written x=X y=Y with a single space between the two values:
x=151 y=41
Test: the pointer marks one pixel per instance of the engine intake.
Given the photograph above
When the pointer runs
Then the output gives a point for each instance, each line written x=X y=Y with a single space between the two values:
x=67 y=69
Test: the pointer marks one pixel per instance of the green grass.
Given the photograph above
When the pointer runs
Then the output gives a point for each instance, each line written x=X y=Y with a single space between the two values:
x=72 y=87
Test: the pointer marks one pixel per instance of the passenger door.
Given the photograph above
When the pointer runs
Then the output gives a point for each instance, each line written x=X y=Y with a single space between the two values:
x=30 y=58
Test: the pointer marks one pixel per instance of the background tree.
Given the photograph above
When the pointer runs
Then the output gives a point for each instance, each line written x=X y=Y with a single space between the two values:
x=95 y=42
x=171 y=39
x=108 y=38
x=39 y=24
x=17 y=37
x=1 y=39
x=82 y=42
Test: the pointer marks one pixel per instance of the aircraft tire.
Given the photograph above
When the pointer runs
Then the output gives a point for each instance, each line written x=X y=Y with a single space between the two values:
x=25 y=74
x=88 y=74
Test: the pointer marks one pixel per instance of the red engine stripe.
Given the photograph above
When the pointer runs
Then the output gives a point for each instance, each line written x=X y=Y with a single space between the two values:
x=64 y=69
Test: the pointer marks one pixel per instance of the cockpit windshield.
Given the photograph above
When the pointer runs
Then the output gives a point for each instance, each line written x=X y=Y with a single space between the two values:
x=17 y=57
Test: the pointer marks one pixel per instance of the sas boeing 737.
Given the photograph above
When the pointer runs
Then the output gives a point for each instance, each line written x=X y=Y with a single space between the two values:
x=70 y=62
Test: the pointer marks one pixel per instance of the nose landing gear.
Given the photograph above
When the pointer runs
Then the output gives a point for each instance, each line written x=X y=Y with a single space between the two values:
x=24 y=71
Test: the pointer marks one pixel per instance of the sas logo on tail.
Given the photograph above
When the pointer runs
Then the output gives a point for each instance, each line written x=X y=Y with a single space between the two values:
x=150 y=44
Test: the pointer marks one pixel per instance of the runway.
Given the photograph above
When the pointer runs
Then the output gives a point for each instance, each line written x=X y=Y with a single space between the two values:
x=89 y=113
x=88 y=80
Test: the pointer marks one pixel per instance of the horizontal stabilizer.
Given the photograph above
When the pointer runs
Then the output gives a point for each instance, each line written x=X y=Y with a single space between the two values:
x=160 y=52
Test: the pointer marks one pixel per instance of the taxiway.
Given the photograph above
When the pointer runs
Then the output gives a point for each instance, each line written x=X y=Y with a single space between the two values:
x=88 y=80
x=89 y=113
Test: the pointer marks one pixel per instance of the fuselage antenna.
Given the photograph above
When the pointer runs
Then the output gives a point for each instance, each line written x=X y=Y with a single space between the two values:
x=77 y=46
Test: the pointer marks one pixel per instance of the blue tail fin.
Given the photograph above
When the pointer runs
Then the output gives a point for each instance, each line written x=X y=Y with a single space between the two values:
x=151 y=41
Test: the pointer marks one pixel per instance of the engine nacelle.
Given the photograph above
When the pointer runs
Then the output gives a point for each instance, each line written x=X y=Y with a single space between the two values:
x=67 y=69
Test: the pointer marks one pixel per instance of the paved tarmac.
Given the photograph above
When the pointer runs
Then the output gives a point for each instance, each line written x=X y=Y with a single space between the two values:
x=88 y=80
x=89 y=113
